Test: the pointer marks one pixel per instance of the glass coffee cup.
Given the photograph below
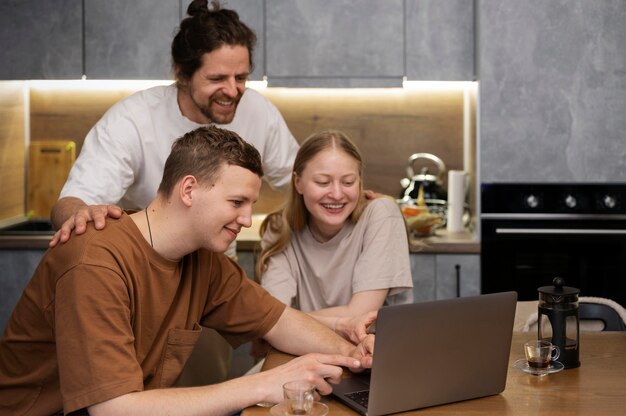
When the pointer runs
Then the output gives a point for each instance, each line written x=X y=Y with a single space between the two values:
x=299 y=397
x=539 y=353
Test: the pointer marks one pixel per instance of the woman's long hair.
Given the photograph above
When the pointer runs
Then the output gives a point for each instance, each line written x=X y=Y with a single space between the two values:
x=293 y=216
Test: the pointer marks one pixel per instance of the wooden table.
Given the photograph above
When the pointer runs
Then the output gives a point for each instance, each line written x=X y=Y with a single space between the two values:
x=597 y=387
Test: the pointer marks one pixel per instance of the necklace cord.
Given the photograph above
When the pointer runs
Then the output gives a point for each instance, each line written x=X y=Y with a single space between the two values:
x=149 y=230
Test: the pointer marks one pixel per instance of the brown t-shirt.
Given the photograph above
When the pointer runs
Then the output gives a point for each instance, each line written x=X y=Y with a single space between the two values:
x=105 y=315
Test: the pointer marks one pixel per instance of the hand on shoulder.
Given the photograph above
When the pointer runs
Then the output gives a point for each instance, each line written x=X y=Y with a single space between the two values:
x=84 y=214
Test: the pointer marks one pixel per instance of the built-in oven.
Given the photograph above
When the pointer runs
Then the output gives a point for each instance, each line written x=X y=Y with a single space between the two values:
x=532 y=233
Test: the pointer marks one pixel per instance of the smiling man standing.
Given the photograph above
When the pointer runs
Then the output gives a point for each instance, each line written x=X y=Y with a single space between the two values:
x=122 y=157
x=109 y=318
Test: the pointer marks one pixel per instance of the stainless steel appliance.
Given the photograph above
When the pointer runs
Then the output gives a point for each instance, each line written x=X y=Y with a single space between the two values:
x=431 y=183
x=532 y=233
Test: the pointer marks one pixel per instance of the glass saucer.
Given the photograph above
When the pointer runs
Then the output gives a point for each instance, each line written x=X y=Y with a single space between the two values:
x=553 y=367
x=318 y=409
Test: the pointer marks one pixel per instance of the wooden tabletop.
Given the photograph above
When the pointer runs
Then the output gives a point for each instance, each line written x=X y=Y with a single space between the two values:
x=597 y=387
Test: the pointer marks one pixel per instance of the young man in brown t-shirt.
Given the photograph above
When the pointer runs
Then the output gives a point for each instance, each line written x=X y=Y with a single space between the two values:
x=110 y=317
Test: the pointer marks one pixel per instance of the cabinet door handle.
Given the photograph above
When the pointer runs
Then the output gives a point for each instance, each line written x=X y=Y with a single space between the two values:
x=457 y=267
x=558 y=231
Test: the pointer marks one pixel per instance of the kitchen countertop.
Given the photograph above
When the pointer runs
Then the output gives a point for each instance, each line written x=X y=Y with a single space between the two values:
x=442 y=242
x=24 y=242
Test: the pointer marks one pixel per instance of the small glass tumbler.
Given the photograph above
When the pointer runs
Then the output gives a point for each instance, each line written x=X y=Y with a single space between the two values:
x=299 y=397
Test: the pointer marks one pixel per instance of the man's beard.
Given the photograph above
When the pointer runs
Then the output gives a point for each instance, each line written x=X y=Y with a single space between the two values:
x=216 y=116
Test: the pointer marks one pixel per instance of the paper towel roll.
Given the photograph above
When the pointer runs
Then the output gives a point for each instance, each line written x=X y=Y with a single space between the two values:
x=456 y=200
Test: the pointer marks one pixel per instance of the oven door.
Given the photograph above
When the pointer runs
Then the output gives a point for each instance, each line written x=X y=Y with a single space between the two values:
x=524 y=254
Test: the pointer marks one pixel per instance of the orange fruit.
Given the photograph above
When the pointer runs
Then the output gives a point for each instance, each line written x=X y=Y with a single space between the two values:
x=409 y=211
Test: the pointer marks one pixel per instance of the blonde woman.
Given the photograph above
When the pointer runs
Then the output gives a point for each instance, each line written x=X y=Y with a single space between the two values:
x=329 y=251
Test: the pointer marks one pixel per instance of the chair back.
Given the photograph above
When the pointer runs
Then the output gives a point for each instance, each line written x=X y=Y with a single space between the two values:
x=600 y=312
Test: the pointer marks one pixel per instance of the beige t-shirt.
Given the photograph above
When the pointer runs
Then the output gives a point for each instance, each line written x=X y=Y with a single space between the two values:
x=105 y=315
x=371 y=254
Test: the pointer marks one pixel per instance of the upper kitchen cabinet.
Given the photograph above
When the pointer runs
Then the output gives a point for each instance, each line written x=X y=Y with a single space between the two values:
x=251 y=13
x=439 y=40
x=552 y=90
x=334 y=43
x=41 y=39
x=130 y=39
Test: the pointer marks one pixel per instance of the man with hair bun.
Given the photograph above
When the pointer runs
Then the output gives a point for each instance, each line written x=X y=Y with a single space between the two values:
x=123 y=155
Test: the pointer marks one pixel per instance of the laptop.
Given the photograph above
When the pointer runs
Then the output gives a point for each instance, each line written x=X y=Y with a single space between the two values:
x=433 y=353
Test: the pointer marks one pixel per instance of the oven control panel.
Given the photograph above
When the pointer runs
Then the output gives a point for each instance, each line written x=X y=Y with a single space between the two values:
x=532 y=233
x=580 y=198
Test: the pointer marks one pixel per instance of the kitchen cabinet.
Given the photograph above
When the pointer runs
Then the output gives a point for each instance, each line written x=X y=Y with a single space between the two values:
x=468 y=272
x=41 y=39
x=435 y=275
x=251 y=12
x=116 y=39
x=552 y=91
x=130 y=39
x=128 y=50
x=334 y=43
x=424 y=274
x=17 y=268
x=246 y=259
x=300 y=43
x=439 y=40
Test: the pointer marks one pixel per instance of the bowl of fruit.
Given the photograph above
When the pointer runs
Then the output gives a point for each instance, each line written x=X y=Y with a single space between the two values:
x=420 y=220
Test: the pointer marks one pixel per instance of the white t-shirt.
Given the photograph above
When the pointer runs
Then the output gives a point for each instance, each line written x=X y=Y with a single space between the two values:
x=371 y=254
x=123 y=155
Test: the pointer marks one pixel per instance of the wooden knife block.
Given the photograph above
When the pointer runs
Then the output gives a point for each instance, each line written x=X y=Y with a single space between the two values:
x=49 y=163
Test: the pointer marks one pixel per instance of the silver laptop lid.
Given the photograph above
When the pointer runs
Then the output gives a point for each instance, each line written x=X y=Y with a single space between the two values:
x=439 y=352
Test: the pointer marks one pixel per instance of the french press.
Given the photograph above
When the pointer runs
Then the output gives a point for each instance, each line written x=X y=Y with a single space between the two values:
x=558 y=320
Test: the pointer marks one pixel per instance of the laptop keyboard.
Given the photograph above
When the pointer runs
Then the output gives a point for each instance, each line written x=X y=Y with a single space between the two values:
x=361 y=397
